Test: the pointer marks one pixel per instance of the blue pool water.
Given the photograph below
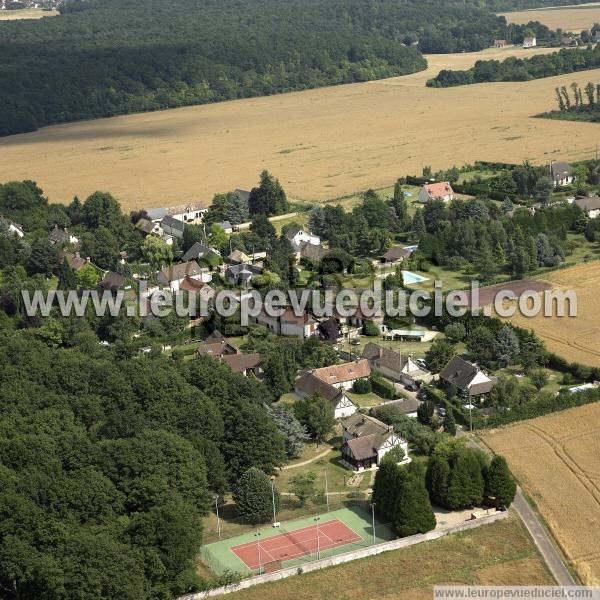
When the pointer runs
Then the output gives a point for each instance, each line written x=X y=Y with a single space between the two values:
x=410 y=277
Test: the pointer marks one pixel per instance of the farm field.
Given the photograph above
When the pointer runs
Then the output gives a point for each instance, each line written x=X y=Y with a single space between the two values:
x=497 y=554
x=577 y=338
x=317 y=149
x=570 y=18
x=26 y=13
x=563 y=480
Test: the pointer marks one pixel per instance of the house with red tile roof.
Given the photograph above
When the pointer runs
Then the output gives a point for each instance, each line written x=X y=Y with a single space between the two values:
x=343 y=376
x=436 y=191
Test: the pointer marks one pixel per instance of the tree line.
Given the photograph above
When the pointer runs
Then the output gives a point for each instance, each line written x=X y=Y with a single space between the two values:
x=583 y=105
x=522 y=69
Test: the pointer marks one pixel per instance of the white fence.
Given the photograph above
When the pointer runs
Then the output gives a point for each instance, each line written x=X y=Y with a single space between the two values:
x=344 y=558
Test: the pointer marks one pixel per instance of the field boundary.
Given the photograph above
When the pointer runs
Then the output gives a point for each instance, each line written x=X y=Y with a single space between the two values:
x=347 y=557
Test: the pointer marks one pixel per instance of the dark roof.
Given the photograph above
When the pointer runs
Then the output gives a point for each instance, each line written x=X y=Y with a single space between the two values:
x=406 y=406
x=292 y=231
x=242 y=194
x=169 y=221
x=365 y=447
x=217 y=349
x=560 y=170
x=59 y=236
x=215 y=336
x=359 y=425
x=309 y=384
x=225 y=225
x=396 y=253
x=330 y=329
x=155 y=214
x=371 y=351
x=588 y=203
x=180 y=271
x=239 y=363
x=236 y=271
x=459 y=373
x=198 y=250
x=112 y=281
x=313 y=251
x=145 y=225
x=73 y=260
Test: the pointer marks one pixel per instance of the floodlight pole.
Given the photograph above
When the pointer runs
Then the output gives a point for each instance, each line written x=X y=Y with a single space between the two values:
x=317 y=519
x=258 y=547
x=373 y=518
x=273 y=498
x=326 y=491
x=218 y=519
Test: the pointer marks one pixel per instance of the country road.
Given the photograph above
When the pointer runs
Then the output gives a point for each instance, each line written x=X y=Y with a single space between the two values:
x=552 y=556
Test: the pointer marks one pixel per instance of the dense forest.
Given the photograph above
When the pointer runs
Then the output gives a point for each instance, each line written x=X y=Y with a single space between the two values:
x=108 y=57
x=522 y=69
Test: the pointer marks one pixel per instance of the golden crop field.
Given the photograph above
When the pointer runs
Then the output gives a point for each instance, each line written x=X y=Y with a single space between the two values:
x=26 y=13
x=321 y=143
x=575 y=338
x=568 y=18
x=556 y=459
x=497 y=554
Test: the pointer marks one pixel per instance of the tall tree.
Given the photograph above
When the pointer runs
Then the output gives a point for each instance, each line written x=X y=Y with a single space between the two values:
x=253 y=497
x=316 y=414
x=500 y=483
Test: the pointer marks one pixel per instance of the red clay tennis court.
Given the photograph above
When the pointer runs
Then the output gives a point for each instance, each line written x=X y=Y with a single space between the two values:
x=295 y=543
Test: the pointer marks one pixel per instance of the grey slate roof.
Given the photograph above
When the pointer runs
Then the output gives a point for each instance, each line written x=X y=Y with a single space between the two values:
x=588 y=203
x=560 y=170
x=179 y=271
x=156 y=214
x=169 y=221
x=198 y=250
x=309 y=385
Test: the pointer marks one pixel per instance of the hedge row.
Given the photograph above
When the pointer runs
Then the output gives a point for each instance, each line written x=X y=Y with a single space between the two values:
x=383 y=388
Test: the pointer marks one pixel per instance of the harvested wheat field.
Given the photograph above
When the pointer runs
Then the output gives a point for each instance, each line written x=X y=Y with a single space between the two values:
x=575 y=338
x=321 y=143
x=26 y=13
x=556 y=459
x=497 y=554
x=569 y=18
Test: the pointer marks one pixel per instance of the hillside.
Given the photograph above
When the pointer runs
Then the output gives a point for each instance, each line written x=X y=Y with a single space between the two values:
x=108 y=57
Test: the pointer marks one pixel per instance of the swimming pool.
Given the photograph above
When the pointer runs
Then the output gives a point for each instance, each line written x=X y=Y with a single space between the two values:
x=409 y=277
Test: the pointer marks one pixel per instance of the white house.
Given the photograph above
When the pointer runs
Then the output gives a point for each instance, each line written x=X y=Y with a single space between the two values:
x=343 y=376
x=307 y=385
x=590 y=205
x=367 y=440
x=561 y=173
x=188 y=212
x=395 y=365
x=298 y=237
x=303 y=326
x=13 y=228
x=529 y=42
x=173 y=275
x=466 y=378
x=436 y=191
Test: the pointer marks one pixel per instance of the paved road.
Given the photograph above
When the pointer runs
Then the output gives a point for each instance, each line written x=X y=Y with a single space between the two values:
x=551 y=554
x=541 y=537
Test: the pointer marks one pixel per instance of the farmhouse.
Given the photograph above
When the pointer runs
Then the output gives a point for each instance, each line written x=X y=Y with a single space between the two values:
x=465 y=378
x=367 y=440
x=308 y=385
x=303 y=326
x=590 y=205
x=343 y=376
x=436 y=191
x=298 y=237
x=174 y=275
x=561 y=174
x=216 y=348
x=529 y=42
x=394 y=365
x=500 y=43
x=173 y=227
